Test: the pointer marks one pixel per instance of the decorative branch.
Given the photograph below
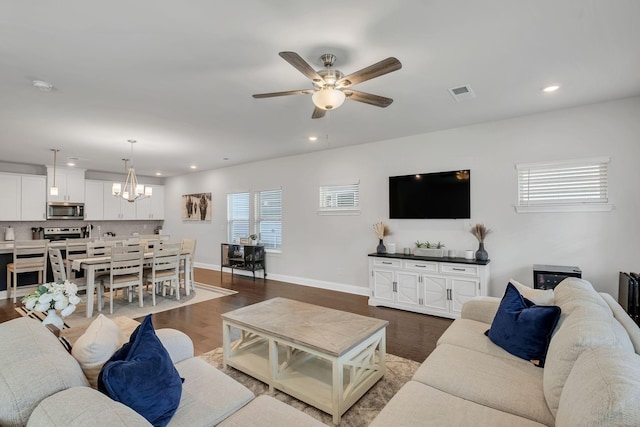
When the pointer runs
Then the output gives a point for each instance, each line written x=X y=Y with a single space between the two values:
x=381 y=229
x=480 y=232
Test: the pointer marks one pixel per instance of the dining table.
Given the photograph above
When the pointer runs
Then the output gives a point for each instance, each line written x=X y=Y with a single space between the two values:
x=91 y=265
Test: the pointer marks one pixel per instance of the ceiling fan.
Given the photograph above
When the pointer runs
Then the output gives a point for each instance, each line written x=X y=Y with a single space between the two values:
x=331 y=87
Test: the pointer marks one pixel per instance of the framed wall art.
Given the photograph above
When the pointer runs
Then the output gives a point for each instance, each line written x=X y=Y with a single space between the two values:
x=196 y=207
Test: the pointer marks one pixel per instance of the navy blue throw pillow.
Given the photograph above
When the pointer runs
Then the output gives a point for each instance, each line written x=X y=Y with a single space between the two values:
x=141 y=375
x=523 y=328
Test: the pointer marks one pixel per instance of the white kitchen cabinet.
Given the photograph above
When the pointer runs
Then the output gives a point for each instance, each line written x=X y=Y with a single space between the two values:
x=151 y=207
x=116 y=208
x=23 y=197
x=10 y=197
x=93 y=200
x=426 y=286
x=33 y=200
x=70 y=183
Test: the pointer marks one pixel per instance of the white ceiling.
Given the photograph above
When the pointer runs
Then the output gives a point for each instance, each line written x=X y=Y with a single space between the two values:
x=178 y=75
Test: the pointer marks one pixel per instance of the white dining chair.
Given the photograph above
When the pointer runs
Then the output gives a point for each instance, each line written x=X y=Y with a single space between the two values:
x=59 y=271
x=99 y=248
x=187 y=246
x=75 y=249
x=29 y=256
x=164 y=269
x=125 y=272
x=149 y=243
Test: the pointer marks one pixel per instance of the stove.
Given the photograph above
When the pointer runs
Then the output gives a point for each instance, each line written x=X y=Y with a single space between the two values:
x=62 y=233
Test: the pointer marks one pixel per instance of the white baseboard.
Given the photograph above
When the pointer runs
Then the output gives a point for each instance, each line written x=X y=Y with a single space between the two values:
x=340 y=287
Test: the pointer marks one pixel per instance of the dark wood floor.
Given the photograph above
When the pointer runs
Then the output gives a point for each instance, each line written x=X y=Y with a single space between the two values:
x=409 y=335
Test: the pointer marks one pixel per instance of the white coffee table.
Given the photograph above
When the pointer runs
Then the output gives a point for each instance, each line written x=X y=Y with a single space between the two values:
x=324 y=357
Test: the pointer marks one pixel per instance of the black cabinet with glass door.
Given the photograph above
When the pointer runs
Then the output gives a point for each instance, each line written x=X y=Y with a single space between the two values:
x=243 y=257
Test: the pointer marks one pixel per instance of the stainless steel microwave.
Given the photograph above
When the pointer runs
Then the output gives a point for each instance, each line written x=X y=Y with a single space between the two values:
x=65 y=210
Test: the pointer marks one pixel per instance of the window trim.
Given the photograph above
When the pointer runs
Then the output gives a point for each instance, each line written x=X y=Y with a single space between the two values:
x=254 y=219
x=563 y=206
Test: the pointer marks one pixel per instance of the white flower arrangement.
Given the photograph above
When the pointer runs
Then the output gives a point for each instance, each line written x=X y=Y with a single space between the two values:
x=55 y=295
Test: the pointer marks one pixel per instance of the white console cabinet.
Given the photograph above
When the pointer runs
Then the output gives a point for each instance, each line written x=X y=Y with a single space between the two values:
x=439 y=287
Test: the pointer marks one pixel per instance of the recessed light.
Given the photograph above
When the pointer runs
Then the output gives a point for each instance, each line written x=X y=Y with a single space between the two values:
x=313 y=138
x=551 y=88
x=70 y=164
x=158 y=173
x=194 y=167
x=42 y=85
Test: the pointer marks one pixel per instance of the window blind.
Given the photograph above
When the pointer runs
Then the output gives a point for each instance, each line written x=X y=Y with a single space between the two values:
x=237 y=216
x=567 y=183
x=339 y=196
x=269 y=217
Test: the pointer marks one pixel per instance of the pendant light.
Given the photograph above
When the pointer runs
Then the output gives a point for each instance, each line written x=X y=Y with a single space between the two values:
x=131 y=190
x=54 y=190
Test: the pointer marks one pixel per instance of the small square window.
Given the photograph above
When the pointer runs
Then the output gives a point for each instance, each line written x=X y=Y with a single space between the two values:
x=339 y=199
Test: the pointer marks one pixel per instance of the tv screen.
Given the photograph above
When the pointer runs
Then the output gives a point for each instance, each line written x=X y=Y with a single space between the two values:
x=437 y=195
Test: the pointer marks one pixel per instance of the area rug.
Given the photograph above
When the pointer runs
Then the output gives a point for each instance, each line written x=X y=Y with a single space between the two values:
x=122 y=307
x=399 y=371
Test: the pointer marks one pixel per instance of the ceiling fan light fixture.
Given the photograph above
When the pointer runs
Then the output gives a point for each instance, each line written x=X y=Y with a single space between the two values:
x=328 y=99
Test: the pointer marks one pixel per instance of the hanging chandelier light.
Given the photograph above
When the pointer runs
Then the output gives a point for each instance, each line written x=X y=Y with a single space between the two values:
x=54 y=189
x=131 y=190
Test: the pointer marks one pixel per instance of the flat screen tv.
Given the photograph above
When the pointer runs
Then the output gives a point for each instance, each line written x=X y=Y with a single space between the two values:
x=437 y=195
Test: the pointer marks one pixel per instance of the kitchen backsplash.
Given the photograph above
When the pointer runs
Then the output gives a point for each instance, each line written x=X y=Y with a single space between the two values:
x=22 y=229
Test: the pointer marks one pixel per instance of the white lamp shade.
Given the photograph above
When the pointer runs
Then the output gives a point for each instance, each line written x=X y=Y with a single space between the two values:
x=54 y=191
x=148 y=191
x=328 y=99
x=116 y=189
x=140 y=189
x=125 y=195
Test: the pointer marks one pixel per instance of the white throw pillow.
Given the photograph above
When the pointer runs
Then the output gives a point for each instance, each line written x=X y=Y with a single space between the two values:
x=101 y=339
x=536 y=296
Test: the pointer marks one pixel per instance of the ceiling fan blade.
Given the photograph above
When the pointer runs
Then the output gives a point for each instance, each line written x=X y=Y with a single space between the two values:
x=376 y=70
x=318 y=113
x=288 y=92
x=301 y=65
x=368 y=98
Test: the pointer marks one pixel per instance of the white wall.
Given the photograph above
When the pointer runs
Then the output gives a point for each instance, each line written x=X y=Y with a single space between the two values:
x=331 y=251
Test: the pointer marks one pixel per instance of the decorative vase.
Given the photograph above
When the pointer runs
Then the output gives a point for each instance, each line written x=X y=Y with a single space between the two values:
x=54 y=319
x=481 y=254
x=381 y=249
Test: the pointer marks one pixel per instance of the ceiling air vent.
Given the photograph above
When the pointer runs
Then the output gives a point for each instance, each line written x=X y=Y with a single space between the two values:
x=462 y=93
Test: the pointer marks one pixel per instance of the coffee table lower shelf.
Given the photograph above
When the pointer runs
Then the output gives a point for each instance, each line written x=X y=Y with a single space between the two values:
x=330 y=383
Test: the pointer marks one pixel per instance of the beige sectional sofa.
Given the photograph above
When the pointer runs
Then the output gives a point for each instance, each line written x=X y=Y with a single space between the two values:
x=591 y=376
x=41 y=384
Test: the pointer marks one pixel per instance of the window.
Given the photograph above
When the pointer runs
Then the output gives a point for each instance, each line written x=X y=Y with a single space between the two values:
x=237 y=216
x=268 y=209
x=580 y=185
x=339 y=199
x=266 y=217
